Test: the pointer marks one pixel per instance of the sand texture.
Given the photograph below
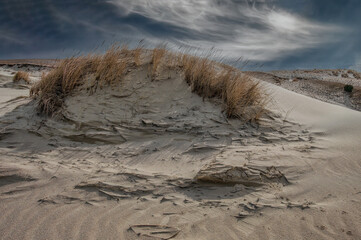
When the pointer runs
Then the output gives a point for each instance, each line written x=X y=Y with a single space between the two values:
x=324 y=85
x=149 y=159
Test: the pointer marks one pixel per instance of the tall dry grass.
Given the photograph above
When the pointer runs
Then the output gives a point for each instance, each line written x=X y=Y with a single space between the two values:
x=21 y=76
x=158 y=54
x=110 y=67
x=54 y=87
x=138 y=54
x=242 y=97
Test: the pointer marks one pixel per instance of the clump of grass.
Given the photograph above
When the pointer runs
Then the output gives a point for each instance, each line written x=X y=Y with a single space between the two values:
x=54 y=87
x=244 y=98
x=354 y=73
x=344 y=75
x=21 y=76
x=137 y=54
x=158 y=54
x=200 y=75
x=335 y=73
x=237 y=90
x=111 y=66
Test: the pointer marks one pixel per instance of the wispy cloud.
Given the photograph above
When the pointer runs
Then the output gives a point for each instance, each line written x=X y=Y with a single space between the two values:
x=277 y=33
x=257 y=30
x=8 y=37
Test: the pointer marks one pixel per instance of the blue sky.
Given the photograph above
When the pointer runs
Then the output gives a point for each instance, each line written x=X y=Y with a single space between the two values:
x=274 y=34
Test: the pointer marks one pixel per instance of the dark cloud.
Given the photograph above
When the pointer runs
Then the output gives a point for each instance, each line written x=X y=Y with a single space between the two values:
x=280 y=34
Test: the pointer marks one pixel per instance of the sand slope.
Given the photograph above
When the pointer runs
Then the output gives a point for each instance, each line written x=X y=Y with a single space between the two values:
x=325 y=85
x=155 y=161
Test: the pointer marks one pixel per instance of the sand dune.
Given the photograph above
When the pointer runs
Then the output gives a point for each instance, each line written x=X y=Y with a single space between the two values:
x=156 y=161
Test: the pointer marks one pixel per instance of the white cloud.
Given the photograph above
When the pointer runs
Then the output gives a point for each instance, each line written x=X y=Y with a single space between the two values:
x=254 y=31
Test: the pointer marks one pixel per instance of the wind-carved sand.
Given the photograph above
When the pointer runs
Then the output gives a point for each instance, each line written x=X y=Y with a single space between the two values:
x=150 y=159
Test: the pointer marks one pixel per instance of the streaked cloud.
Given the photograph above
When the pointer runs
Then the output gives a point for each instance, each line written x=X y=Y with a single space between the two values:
x=256 y=30
x=277 y=33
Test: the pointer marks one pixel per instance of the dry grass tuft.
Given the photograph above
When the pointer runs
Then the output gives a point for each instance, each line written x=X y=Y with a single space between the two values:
x=158 y=54
x=59 y=83
x=200 y=75
x=21 y=76
x=137 y=54
x=54 y=87
x=111 y=67
x=344 y=75
x=242 y=97
x=354 y=73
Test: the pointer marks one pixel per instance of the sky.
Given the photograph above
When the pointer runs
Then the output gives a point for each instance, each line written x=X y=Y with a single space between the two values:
x=270 y=34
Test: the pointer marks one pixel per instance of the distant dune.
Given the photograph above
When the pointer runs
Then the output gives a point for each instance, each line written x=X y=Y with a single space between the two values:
x=32 y=62
x=325 y=85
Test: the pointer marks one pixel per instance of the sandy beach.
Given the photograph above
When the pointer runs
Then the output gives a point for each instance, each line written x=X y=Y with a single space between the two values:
x=156 y=161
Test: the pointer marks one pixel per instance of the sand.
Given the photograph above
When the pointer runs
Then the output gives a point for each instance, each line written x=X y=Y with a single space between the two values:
x=155 y=161
x=324 y=85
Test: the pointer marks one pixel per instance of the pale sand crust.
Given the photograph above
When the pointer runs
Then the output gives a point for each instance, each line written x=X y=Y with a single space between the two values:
x=127 y=164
